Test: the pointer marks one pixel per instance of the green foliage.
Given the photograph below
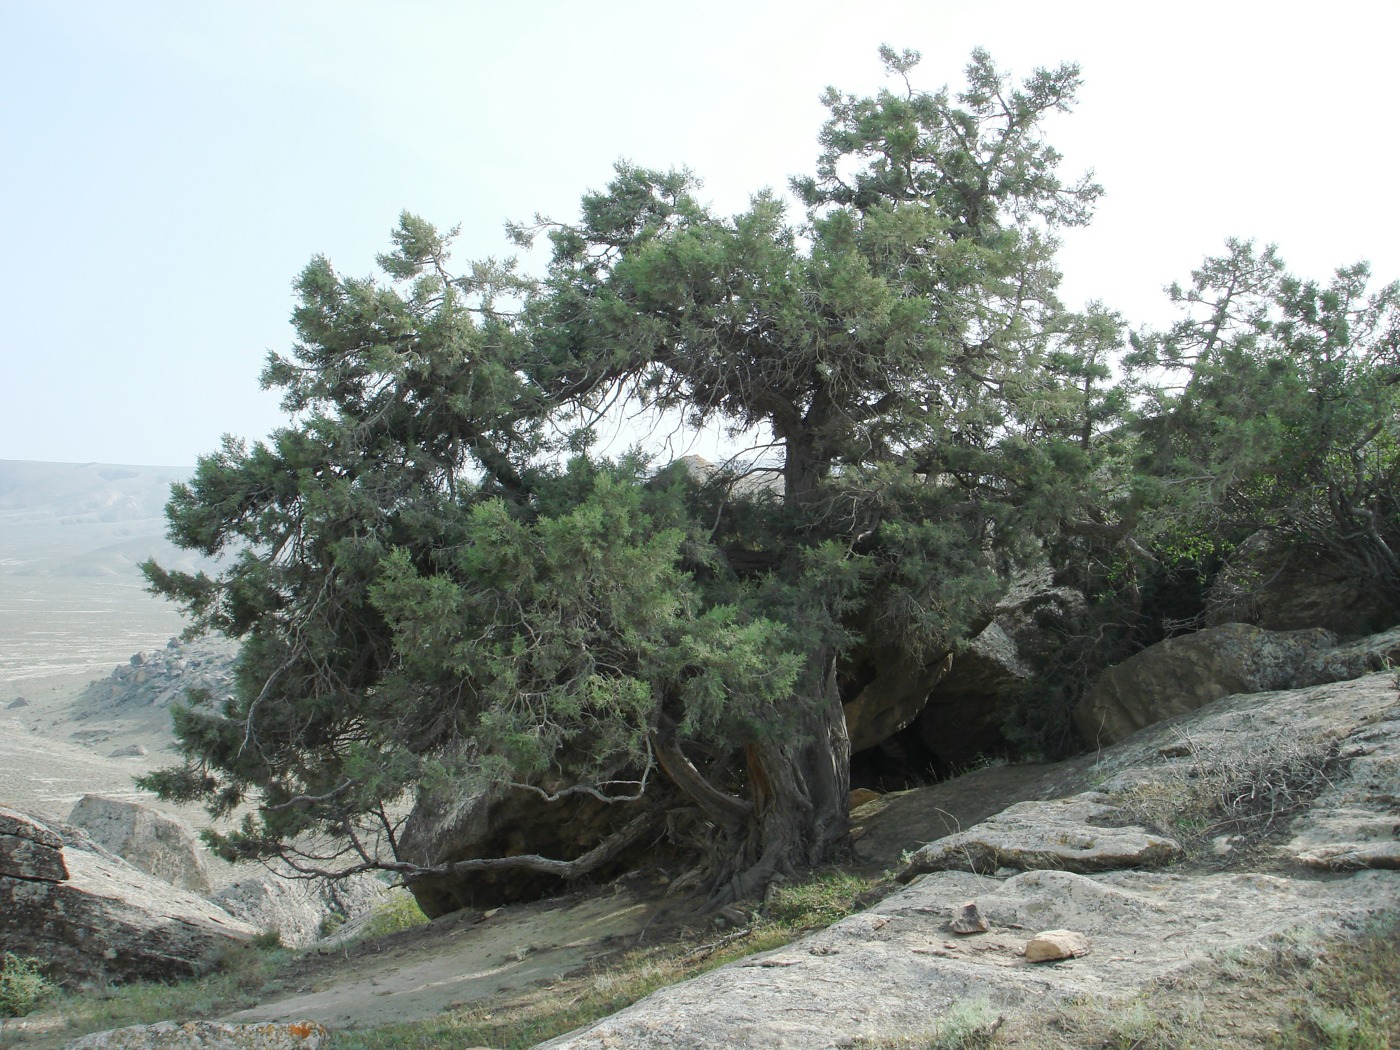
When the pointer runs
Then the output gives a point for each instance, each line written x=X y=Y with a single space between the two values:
x=815 y=902
x=439 y=590
x=398 y=913
x=1277 y=407
x=23 y=985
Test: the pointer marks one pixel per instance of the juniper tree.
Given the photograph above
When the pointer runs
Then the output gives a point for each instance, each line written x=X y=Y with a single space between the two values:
x=426 y=595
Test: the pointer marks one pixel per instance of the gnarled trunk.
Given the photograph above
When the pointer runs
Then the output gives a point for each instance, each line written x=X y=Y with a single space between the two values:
x=796 y=817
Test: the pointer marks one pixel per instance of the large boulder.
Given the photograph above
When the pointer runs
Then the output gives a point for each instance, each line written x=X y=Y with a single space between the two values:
x=1376 y=652
x=1284 y=586
x=158 y=844
x=300 y=910
x=971 y=705
x=29 y=850
x=449 y=826
x=891 y=700
x=1187 y=672
x=92 y=918
x=965 y=713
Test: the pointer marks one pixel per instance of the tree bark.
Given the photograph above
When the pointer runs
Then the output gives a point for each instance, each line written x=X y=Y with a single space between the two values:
x=800 y=790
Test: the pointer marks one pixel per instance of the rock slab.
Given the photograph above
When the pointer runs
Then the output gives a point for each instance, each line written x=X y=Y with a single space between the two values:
x=105 y=920
x=207 y=1035
x=158 y=844
x=1059 y=835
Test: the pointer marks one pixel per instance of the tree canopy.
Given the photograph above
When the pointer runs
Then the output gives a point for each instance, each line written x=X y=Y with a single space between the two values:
x=444 y=592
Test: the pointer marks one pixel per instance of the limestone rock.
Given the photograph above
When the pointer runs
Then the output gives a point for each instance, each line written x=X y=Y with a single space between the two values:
x=29 y=849
x=969 y=708
x=1063 y=835
x=298 y=908
x=1281 y=587
x=208 y=1035
x=110 y=922
x=1050 y=945
x=158 y=844
x=16 y=703
x=968 y=918
x=1184 y=673
x=892 y=700
x=129 y=751
x=1365 y=656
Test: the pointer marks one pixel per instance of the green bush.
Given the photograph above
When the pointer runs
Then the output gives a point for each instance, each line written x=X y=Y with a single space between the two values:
x=22 y=985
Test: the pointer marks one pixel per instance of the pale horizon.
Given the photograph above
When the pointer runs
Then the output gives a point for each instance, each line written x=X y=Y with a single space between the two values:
x=174 y=166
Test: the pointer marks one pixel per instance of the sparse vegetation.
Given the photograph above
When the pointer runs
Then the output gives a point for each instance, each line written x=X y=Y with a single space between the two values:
x=22 y=985
x=1242 y=788
x=242 y=976
x=791 y=910
x=971 y=1025
x=397 y=912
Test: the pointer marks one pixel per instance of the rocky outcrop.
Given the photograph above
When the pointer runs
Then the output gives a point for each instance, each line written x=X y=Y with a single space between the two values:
x=158 y=844
x=444 y=828
x=1185 y=673
x=1280 y=586
x=29 y=850
x=1373 y=653
x=208 y=1035
x=957 y=706
x=90 y=917
x=158 y=677
x=969 y=706
x=1069 y=834
x=892 y=700
x=300 y=910
x=895 y=970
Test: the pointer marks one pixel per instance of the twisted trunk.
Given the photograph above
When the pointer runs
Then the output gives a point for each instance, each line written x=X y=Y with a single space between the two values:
x=796 y=817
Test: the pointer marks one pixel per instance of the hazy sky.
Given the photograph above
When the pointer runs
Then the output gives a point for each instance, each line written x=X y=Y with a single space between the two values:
x=168 y=168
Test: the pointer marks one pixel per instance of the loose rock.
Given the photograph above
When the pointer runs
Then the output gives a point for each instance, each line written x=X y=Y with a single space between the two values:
x=1051 y=945
x=968 y=919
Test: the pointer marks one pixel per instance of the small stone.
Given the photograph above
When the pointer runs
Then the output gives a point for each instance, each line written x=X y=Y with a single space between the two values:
x=1051 y=945
x=17 y=702
x=137 y=659
x=968 y=918
x=860 y=796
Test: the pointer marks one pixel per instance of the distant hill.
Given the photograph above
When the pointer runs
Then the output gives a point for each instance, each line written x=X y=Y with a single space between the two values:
x=72 y=538
x=85 y=519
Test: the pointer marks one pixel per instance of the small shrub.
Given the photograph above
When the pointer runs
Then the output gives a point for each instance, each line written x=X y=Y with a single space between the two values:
x=971 y=1025
x=819 y=901
x=22 y=985
x=395 y=914
x=1246 y=786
